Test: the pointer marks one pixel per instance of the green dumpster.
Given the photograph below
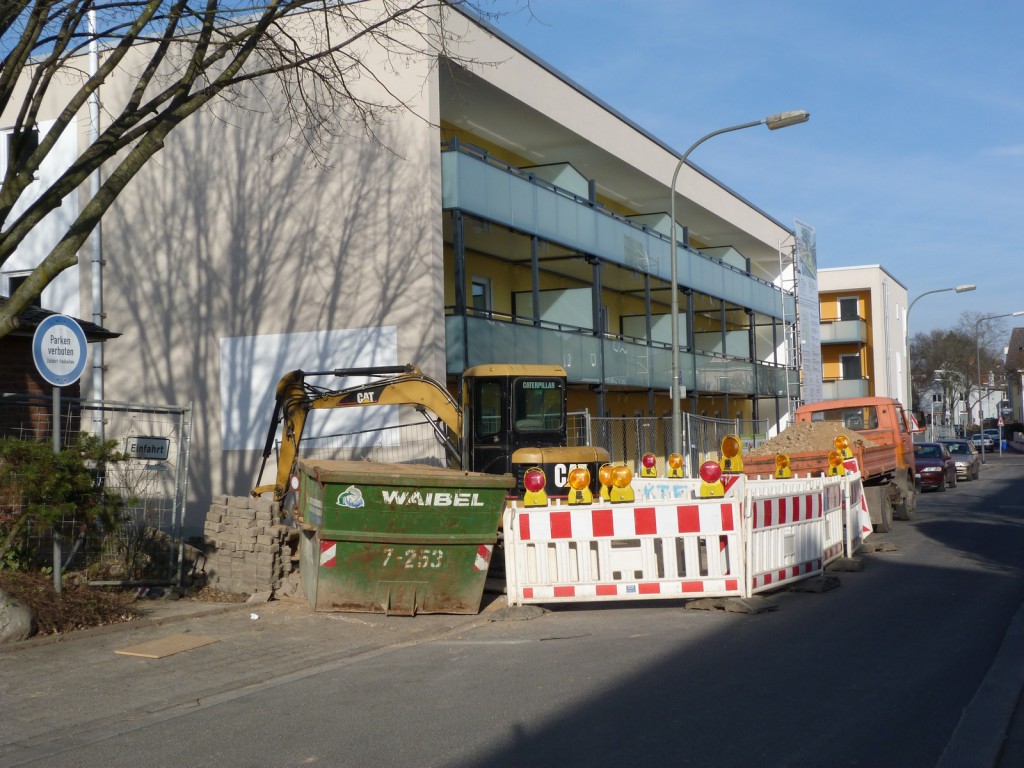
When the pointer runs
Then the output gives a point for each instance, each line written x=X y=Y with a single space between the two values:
x=396 y=538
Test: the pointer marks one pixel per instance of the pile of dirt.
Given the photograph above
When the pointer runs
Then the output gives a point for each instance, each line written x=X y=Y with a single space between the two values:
x=808 y=436
x=78 y=606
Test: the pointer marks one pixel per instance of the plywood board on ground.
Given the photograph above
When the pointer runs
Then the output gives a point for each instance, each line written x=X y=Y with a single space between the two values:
x=166 y=646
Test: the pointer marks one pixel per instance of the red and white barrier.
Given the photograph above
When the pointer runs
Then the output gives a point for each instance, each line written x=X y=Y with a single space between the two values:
x=858 y=518
x=668 y=544
x=836 y=543
x=632 y=551
x=786 y=538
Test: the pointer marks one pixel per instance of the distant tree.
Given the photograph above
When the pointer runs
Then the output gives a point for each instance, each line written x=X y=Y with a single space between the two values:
x=195 y=52
x=948 y=360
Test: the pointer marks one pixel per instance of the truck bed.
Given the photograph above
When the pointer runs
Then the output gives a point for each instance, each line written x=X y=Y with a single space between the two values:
x=875 y=461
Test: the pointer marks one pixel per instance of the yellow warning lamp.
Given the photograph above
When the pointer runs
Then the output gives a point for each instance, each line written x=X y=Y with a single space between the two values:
x=732 y=454
x=675 y=465
x=579 y=486
x=621 y=489
x=711 y=480
x=604 y=474
x=782 y=468
x=842 y=444
x=835 y=463
x=649 y=465
x=534 y=481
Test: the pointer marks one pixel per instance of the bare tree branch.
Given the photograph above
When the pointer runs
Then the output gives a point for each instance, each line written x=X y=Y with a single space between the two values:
x=196 y=52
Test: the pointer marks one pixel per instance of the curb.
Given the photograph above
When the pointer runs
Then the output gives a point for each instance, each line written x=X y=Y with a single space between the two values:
x=978 y=738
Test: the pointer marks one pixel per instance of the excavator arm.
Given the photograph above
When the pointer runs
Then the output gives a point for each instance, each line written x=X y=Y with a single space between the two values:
x=398 y=385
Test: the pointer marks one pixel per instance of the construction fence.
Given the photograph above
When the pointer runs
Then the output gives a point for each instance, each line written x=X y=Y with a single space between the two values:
x=147 y=487
x=627 y=439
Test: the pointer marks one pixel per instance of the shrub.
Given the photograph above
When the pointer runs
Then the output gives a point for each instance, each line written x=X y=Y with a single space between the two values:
x=46 y=489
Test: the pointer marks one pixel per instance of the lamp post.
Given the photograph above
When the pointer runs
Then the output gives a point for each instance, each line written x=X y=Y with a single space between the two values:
x=774 y=122
x=910 y=381
x=977 y=352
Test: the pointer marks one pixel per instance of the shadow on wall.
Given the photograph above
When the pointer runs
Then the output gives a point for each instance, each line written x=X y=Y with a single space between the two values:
x=222 y=238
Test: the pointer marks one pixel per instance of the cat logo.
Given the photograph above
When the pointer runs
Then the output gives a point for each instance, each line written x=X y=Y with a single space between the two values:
x=365 y=397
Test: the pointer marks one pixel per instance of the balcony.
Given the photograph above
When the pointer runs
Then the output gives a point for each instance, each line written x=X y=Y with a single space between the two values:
x=835 y=389
x=588 y=359
x=844 y=332
x=478 y=184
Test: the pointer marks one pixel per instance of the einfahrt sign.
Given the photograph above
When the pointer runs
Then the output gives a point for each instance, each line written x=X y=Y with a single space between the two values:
x=58 y=349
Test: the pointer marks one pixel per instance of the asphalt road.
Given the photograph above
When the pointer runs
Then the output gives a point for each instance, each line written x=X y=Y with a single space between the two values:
x=876 y=672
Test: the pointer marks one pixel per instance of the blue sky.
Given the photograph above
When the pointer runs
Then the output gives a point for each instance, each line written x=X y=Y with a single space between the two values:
x=914 y=154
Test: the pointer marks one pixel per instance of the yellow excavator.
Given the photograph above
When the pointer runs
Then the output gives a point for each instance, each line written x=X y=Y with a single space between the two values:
x=512 y=418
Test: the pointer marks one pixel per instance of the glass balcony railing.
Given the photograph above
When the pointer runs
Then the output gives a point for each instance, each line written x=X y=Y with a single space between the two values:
x=844 y=332
x=480 y=185
x=840 y=388
x=589 y=359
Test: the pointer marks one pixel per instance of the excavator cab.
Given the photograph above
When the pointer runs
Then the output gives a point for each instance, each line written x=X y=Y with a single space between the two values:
x=508 y=407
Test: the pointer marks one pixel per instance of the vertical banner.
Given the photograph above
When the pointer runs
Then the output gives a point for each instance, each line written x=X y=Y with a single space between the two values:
x=808 y=312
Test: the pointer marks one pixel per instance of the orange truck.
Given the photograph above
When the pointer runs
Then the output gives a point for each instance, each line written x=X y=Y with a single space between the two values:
x=887 y=467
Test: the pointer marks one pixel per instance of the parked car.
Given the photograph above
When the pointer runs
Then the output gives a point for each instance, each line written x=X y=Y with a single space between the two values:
x=966 y=456
x=980 y=439
x=934 y=467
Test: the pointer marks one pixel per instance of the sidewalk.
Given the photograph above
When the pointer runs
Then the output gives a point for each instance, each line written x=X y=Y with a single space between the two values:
x=50 y=686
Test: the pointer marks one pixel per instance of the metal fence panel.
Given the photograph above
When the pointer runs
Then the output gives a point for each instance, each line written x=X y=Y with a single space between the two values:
x=628 y=438
x=153 y=482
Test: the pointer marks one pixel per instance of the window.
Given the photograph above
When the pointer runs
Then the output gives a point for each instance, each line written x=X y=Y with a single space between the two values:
x=28 y=143
x=488 y=409
x=848 y=308
x=851 y=367
x=538 y=404
x=481 y=295
x=851 y=418
x=13 y=281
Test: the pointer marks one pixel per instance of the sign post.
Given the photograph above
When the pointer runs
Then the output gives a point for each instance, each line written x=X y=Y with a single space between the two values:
x=58 y=349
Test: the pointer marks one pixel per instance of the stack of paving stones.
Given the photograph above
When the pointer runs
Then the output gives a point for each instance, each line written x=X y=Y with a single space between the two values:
x=247 y=549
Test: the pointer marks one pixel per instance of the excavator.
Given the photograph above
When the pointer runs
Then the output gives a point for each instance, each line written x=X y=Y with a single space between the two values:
x=512 y=418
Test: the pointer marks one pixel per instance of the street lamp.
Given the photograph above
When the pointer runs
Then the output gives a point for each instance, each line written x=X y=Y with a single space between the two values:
x=774 y=122
x=977 y=351
x=910 y=383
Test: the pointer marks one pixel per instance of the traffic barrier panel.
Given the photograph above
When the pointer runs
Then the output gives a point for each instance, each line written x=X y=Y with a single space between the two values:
x=846 y=525
x=786 y=539
x=834 y=519
x=858 y=518
x=762 y=535
x=632 y=551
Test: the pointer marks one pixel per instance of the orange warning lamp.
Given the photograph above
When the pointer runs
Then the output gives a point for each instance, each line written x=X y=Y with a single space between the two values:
x=675 y=465
x=534 y=481
x=782 y=468
x=649 y=465
x=835 y=463
x=732 y=454
x=842 y=444
x=621 y=490
x=711 y=480
x=604 y=475
x=579 y=486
